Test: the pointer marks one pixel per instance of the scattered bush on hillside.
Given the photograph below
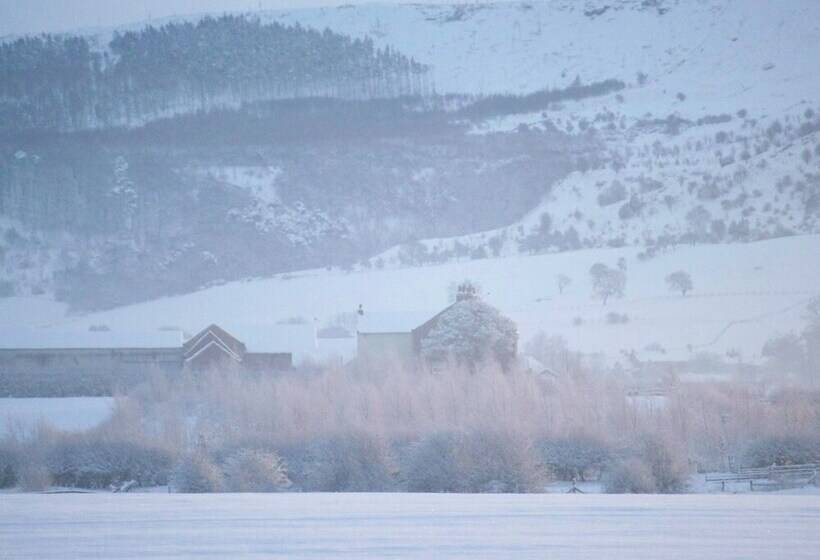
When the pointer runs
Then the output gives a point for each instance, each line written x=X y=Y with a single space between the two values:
x=607 y=282
x=614 y=193
x=632 y=208
x=563 y=281
x=614 y=318
x=679 y=281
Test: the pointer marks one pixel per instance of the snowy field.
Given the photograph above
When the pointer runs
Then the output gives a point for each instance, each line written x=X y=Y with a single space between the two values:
x=69 y=414
x=408 y=526
x=744 y=294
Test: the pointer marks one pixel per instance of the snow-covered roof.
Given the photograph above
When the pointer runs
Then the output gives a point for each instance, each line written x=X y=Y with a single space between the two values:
x=392 y=322
x=65 y=339
x=273 y=338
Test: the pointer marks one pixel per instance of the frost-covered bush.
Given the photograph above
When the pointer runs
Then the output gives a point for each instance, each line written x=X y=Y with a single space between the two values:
x=630 y=476
x=9 y=464
x=652 y=465
x=679 y=281
x=669 y=469
x=614 y=318
x=346 y=463
x=255 y=470
x=96 y=463
x=196 y=473
x=432 y=465
x=784 y=450
x=577 y=457
x=492 y=461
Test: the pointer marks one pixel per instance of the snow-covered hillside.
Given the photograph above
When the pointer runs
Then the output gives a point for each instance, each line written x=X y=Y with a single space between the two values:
x=721 y=178
x=723 y=54
x=716 y=137
x=713 y=138
x=743 y=294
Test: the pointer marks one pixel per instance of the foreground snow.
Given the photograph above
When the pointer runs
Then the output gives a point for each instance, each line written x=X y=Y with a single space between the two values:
x=408 y=526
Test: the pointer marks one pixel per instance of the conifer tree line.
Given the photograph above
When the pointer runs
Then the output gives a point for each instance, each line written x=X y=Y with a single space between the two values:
x=60 y=82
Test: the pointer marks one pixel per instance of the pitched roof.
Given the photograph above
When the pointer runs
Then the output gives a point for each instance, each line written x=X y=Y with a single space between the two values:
x=210 y=336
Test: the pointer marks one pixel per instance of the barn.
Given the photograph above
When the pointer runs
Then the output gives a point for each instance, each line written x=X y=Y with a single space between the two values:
x=56 y=362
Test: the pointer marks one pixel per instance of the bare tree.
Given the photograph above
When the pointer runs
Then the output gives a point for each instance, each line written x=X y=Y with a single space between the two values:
x=563 y=281
x=679 y=281
x=607 y=282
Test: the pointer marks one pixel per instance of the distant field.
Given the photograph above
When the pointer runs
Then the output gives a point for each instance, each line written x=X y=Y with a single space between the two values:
x=420 y=526
x=744 y=294
x=69 y=414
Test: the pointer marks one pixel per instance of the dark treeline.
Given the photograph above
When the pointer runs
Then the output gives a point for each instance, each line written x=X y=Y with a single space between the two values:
x=494 y=105
x=293 y=120
x=64 y=83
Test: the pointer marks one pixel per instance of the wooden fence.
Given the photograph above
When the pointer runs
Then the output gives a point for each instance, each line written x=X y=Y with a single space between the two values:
x=770 y=477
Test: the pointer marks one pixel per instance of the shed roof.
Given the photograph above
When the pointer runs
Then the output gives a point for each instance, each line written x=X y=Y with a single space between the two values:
x=29 y=338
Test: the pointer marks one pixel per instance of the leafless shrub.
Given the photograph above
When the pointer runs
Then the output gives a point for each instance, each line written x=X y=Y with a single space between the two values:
x=576 y=457
x=494 y=461
x=196 y=473
x=452 y=430
x=630 y=476
x=255 y=470
x=432 y=464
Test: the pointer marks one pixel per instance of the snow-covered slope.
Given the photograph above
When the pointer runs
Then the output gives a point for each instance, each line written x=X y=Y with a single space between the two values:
x=716 y=137
x=723 y=54
x=743 y=295
x=721 y=178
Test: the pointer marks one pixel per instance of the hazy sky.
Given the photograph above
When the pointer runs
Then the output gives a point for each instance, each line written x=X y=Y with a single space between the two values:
x=34 y=16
